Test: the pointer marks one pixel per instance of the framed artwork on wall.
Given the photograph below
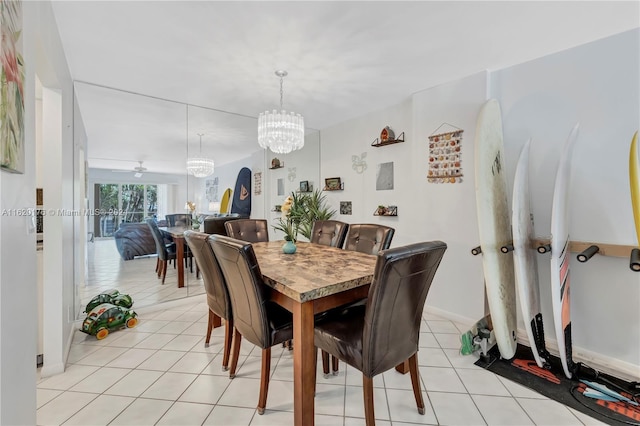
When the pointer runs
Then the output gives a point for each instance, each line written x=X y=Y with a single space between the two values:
x=384 y=176
x=333 y=184
x=12 y=93
x=304 y=186
x=280 y=186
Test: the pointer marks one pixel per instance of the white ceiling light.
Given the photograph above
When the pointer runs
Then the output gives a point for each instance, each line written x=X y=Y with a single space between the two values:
x=198 y=165
x=280 y=131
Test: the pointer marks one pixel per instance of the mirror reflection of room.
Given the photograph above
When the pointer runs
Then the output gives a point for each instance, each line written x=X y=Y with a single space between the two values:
x=137 y=170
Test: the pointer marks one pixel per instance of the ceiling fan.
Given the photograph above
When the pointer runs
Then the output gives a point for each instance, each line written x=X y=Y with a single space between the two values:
x=138 y=170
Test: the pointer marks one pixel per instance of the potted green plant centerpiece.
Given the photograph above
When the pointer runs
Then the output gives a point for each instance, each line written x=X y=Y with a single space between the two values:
x=299 y=212
x=288 y=224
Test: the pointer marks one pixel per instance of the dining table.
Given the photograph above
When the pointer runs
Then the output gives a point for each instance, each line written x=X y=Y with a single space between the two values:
x=177 y=234
x=314 y=279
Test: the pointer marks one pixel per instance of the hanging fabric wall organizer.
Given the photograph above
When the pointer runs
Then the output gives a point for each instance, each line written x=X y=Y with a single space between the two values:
x=445 y=156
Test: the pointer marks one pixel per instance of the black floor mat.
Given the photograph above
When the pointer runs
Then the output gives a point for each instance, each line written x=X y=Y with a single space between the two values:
x=553 y=384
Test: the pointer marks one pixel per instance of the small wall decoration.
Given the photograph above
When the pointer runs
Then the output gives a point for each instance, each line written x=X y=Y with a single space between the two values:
x=384 y=176
x=12 y=93
x=445 y=156
x=292 y=174
x=276 y=163
x=280 y=186
x=359 y=163
x=257 y=183
x=211 y=189
x=345 y=207
x=333 y=184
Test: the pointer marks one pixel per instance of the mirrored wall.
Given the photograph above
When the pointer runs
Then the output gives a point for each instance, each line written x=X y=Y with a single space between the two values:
x=137 y=149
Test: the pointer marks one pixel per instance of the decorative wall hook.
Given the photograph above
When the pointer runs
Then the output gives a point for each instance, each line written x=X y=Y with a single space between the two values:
x=588 y=253
x=359 y=163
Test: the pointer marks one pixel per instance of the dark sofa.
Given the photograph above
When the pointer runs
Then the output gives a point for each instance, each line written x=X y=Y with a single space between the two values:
x=134 y=239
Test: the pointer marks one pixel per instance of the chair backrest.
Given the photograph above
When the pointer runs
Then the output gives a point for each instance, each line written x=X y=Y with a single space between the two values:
x=329 y=232
x=178 y=219
x=251 y=230
x=401 y=281
x=161 y=249
x=368 y=238
x=214 y=284
x=215 y=224
x=247 y=291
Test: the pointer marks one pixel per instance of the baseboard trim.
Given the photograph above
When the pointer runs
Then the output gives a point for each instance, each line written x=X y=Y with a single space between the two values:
x=615 y=367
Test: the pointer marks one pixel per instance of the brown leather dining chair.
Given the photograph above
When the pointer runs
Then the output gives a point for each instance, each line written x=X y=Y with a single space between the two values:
x=217 y=294
x=178 y=219
x=250 y=230
x=366 y=238
x=330 y=233
x=384 y=332
x=255 y=317
x=166 y=252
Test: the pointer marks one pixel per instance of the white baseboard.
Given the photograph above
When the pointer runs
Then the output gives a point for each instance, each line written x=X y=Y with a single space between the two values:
x=615 y=367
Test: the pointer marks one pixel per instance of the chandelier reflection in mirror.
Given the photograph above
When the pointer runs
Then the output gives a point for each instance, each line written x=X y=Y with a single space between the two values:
x=280 y=131
x=198 y=165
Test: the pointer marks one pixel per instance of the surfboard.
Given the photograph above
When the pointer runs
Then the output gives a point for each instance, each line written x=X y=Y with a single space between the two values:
x=560 y=255
x=494 y=226
x=524 y=259
x=242 y=193
x=224 y=204
x=634 y=182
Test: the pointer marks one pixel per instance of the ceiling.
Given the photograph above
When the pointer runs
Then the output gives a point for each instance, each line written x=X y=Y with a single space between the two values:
x=344 y=59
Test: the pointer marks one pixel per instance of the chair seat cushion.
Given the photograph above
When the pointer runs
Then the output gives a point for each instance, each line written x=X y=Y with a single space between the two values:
x=280 y=323
x=339 y=333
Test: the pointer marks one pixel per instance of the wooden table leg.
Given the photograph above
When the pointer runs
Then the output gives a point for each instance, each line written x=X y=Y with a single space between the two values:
x=180 y=259
x=303 y=364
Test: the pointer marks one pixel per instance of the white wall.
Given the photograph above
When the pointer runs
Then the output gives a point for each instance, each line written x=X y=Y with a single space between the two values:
x=58 y=182
x=43 y=55
x=18 y=296
x=597 y=85
x=426 y=211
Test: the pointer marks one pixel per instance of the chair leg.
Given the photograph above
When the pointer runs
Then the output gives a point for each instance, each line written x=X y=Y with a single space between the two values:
x=334 y=365
x=235 y=353
x=228 y=334
x=164 y=270
x=159 y=270
x=197 y=271
x=325 y=363
x=157 y=264
x=264 y=379
x=367 y=387
x=415 y=382
x=209 y=328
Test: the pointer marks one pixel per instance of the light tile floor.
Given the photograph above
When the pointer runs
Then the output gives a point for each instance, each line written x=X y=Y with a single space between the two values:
x=160 y=373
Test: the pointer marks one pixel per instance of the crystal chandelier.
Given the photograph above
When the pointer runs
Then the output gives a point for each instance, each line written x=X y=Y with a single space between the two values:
x=280 y=131
x=198 y=165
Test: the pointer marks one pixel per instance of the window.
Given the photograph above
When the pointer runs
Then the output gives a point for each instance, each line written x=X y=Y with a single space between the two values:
x=119 y=203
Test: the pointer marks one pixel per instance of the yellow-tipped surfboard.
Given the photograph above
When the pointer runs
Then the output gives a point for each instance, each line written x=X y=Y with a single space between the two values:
x=226 y=198
x=634 y=182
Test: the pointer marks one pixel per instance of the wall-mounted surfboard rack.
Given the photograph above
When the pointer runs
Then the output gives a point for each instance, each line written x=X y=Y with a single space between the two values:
x=586 y=250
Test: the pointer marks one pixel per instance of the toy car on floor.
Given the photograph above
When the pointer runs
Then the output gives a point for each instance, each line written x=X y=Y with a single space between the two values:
x=112 y=296
x=107 y=317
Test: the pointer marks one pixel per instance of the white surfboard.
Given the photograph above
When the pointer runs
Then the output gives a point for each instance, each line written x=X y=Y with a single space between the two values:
x=524 y=259
x=494 y=226
x=560 y=255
